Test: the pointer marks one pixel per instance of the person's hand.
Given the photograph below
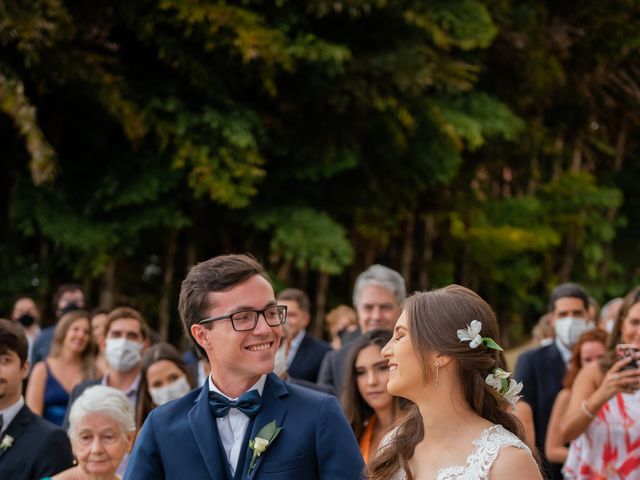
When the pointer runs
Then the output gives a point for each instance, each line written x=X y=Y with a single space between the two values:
x=617 y=380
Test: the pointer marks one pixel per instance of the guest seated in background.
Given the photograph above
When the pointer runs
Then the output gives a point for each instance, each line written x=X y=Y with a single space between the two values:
x=68 y=297
x=69 y=363
x=30 y=447
x=163 y=377
x=98 y=322
x=590 y=348
x=304 y=352
x=101 y=428
x=26 y=313
x=341 y=324
x=370 y=409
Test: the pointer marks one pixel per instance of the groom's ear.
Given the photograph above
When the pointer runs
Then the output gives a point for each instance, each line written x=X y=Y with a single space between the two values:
x=199 y=332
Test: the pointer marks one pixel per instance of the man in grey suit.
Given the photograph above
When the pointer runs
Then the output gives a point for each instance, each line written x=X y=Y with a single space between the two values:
x=377 y=296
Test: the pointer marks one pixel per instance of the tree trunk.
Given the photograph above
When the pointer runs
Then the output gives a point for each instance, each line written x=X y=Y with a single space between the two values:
x=191 y=255
x=164 y=315
x=321 y=305
x=108 y=290
x=576 y=157
x=621 y=144
x=430 y=233
x=406 y=258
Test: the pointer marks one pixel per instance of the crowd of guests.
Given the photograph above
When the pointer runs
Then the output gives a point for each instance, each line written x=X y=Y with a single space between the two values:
x=421 y=402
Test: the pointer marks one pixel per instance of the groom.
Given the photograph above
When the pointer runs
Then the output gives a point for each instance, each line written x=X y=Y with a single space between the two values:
x=228 y=309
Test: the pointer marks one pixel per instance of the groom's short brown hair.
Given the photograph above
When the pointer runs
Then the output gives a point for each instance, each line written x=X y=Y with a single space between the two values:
x=217 y=274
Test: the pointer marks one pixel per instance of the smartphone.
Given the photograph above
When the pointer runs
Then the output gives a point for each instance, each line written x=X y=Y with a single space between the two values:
x=624 y=350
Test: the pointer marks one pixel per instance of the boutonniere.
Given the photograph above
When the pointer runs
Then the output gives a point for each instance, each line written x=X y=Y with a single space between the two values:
x=6 y=443
x=265 y=437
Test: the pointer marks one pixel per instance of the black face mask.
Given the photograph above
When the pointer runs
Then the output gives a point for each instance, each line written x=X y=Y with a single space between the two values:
x=26 y=320
x=70 y=307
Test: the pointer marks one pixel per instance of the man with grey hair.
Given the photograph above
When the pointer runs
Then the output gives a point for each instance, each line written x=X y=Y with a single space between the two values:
x=377 y=296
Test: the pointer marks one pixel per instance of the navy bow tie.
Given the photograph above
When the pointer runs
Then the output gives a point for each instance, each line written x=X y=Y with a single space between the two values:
x=248 y=403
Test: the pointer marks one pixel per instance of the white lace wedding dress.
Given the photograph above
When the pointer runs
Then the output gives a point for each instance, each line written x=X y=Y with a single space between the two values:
x=479 y=463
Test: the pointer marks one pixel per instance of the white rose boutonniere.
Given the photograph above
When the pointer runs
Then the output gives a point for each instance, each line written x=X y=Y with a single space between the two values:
x=6 y=443
x=263 y=440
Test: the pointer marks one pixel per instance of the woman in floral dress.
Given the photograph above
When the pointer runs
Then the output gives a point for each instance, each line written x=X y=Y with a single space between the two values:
x=603 y=418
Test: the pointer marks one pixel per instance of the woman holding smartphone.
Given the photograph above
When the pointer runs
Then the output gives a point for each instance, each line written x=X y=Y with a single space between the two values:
x=603 y=417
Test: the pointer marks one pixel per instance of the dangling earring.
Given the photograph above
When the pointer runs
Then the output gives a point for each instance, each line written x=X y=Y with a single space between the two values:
x=437 y=373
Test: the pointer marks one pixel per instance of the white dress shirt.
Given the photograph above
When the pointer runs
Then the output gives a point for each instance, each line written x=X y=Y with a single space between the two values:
x=233 y=427
x=564 y=351
x=295 y=345
x=9 y=413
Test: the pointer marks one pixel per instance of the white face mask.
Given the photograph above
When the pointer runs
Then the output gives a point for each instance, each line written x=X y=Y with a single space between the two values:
x=122 y=354
x=569 y=329
x=162 y=395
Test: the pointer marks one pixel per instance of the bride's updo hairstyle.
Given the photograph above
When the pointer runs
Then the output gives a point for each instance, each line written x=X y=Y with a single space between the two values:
x=433 y=319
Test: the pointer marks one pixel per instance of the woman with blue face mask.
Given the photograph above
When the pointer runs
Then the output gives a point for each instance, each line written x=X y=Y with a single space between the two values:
x=164 y=377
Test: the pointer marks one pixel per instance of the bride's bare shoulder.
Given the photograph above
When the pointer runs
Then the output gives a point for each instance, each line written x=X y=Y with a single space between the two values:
x=513 y=462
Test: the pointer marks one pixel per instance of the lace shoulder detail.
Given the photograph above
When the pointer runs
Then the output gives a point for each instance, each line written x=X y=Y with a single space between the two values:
x=486 y=450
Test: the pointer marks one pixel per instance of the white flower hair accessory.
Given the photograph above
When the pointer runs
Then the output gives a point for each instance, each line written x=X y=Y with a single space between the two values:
x=498 y=379
x=472 y=335
x=507 y=389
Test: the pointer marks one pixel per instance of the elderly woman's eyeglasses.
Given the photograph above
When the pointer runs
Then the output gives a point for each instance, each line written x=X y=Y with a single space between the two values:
x=248 y=319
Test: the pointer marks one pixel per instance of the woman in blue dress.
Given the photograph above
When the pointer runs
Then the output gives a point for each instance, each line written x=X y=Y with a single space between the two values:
x=70 y=362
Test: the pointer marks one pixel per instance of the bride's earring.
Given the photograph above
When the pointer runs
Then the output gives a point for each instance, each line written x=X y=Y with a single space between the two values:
x=437 y=373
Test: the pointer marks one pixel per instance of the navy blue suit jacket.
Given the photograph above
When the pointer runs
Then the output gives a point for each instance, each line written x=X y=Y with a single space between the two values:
x=180 y=439
x=39 y=448
x=541 y=372
x=308 y=358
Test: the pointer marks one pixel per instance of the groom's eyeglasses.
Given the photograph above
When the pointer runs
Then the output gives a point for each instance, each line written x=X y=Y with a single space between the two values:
x=248 y=319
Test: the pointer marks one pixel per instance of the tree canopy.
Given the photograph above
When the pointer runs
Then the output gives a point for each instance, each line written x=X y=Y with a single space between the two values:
x=492 y=144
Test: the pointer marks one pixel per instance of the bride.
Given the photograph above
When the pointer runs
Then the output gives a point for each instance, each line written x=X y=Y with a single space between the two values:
x=443 y=358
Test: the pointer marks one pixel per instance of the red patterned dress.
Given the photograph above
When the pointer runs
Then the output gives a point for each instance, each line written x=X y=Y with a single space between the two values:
x=610 y=448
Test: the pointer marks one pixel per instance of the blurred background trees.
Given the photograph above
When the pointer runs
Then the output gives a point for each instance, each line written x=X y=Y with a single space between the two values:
x=492 y=144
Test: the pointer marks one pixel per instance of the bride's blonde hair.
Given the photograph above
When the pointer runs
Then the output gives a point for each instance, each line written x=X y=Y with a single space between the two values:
x=433 y=320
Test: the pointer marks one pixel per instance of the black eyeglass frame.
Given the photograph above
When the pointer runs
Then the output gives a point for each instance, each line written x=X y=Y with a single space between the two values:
x=283 y=317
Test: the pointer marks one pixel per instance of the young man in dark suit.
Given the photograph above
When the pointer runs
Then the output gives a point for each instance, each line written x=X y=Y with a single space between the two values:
x=244 y=422
x=305 y=352
x=542 y=370
x=30 y=447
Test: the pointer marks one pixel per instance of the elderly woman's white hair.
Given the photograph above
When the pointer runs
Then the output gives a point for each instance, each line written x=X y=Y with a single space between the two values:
x=106 y=400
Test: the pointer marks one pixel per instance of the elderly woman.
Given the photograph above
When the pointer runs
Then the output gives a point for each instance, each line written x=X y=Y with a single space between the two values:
x=101 y=428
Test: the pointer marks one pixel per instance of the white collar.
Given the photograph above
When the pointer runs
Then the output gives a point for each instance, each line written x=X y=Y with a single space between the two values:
x=564 y=351
x=9 y=413
x=259 y=386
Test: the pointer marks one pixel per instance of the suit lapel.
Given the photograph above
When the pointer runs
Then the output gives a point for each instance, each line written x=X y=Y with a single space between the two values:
x=299 y=358
x=205 y=431
x=556 y=364
x=19 y=423
x=273 y=408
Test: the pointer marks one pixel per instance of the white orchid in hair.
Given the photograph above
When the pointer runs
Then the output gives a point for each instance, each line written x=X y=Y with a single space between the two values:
x=507 y=389
x=495 y=379
x=472 y=335
x=511 y=395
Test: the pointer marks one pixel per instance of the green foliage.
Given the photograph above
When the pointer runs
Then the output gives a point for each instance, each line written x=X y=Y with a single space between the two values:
x=492 y=144
x=308 y=239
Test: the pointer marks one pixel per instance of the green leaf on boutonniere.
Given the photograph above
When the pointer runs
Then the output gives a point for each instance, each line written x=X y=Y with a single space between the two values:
x=263 y=440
